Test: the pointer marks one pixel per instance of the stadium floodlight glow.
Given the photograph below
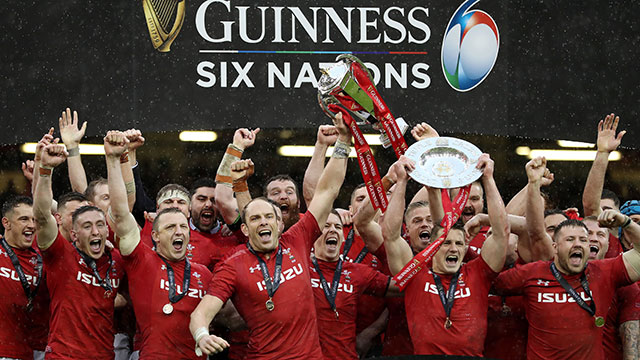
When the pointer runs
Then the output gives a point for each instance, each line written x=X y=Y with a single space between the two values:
x=564 y=155
x=306 y=151
x=85 y=149
x=198 y=136
x=575 y=144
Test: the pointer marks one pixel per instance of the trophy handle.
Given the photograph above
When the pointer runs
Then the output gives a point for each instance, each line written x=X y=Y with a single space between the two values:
x=352 y=58
x=323 y=102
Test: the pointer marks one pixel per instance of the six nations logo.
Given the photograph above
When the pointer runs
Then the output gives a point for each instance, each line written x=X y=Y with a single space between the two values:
x=469 y=48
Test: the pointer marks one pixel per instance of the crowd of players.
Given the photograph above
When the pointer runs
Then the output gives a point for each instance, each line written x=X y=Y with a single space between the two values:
x=105 y=271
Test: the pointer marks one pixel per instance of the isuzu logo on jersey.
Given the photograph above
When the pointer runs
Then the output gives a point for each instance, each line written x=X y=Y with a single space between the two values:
x=91 y=280
x=193 y=293
x=286 y=275
x=463 y=292
x=13 y=275
x=348 y=288
x=560 y=298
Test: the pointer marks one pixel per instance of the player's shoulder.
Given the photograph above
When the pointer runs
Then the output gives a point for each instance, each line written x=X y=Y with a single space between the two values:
x=237 y=254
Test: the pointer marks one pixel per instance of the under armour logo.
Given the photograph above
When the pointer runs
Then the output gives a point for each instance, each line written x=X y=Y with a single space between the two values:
x=163 y=267
x=542 y=282
x=254 y=268
x=33 y=260
x=3 y=253
x=81 y=262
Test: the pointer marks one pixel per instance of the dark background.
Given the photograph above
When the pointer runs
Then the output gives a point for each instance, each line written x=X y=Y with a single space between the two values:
x=561 y=67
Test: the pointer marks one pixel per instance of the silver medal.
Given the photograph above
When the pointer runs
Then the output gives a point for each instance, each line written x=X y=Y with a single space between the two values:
x=167 y=309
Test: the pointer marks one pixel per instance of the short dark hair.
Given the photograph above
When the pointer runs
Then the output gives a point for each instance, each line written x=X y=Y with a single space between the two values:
x=202 y=182
x=90 y=192
x=336 y=213
x=568 y=223
x=13 y=202
x=353 y=193
x=171 y=187
x=414 y=205
x=608 y=194
x=156 y=221
x=280 y=177
x=458 y=225
x=555 y=212
x=244 y=209
x=68 y=197
x=83 y=209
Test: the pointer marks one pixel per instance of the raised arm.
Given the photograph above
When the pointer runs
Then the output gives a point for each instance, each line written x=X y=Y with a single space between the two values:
x=126 y=228
x=225 y=203
x=518 y=203
x=541 y=242
x=241 y=170
x=71 y=137
x=201 y=317
x=494 y=249
x=332 y=176
x=46 y=226
x=37 y=158
x=631 y=232
x=327 y=135
x=398 y=250
x=607 y=142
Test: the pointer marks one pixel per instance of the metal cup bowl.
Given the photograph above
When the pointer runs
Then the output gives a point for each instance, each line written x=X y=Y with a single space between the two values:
x=444 y=162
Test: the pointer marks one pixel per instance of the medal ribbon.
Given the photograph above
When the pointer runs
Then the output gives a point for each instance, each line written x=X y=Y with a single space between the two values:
x=329 y=293
x=91 y=263
x=452 y=213
x=173 y=297
x=368 y=167
x=347 y=246
x=381 y=110
x=271 y=286
x=591 y=308
x=23 y=279
x=447 y=298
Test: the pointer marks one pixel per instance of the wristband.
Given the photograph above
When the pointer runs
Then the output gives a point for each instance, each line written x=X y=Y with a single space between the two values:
x=130 y=186
x=626 y=223
x=74 y=151
x=240 y=186
x=387 y=183
x=200 y=333
x=223 y=175
x=124 y=158
x=45 y=171
x=341 y=150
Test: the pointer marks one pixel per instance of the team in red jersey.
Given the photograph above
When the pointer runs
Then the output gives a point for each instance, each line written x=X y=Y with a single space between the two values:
x=456 y=295
x=164 y=285
x=294 y=298
x=285 y=296
x=83 y=278
x=22 y=288
x=337 y=285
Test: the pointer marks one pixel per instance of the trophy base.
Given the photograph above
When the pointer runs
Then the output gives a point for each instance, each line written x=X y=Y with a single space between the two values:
x=402 y=125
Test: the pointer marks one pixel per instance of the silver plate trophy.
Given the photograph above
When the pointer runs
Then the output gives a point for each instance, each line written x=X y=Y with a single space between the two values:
x=339 y=79
x=444 y=162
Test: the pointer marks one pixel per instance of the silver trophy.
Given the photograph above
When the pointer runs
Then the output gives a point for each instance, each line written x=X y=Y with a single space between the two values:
x=444 y=162
x=339 y=81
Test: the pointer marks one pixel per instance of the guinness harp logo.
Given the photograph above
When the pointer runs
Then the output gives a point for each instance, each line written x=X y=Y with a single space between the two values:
x=164 y=20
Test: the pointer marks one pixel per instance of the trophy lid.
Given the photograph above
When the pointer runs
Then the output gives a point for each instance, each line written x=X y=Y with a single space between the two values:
x=444 y=162
x=332 y=76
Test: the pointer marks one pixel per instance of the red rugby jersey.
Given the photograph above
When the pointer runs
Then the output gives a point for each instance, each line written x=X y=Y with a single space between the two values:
x=163 y=336
x=81 y=311
x=554 y=317
x=625 y=307
x=426 y=316
x=290 y=331
x=17 y=325
x=507 y=328
x=338 y=336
